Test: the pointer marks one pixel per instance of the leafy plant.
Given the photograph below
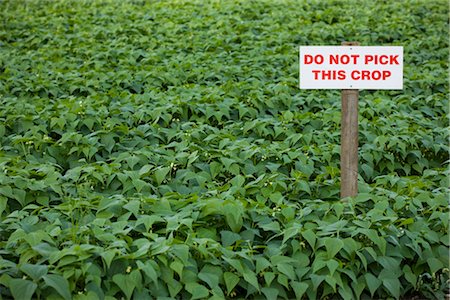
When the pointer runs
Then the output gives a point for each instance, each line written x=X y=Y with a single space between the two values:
x=163 y=150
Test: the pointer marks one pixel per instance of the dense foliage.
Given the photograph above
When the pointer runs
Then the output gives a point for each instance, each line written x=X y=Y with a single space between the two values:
x=163 y=150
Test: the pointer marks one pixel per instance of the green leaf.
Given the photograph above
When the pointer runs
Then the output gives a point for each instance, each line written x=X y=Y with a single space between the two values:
x=133 y=207
x=60 y=284
x=3 y=202
x=269 y=277
x=108 y=141
x=108 y=256
x=145 y=169
x=250 y=277
x=7 y=191
x=283 y=280
x=215 y=168
x=197 y=291
x=287 y=270
x=299 y=288
x=333 y=246
x=22 y=289
x=161 y=173
x=261 y=264
x=229 y=238
x=393 y=286
x=34 y=271
x=346 y=292
x=373 y=283
x=272 y=226
x=317 y=280
x=372 y=234
x=178 y=267
x=358 y=286
x=290 y=232
x=233 y=215
x=310 y=237
x=211 y=275
x=149 y=270
x=332 y=266
x=435 y=264
x=174 y=287
x=270 y=293
x=231 y=280
x=125 y=283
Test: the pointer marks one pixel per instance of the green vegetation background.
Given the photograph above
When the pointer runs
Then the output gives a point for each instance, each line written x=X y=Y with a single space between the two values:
x=162 y=149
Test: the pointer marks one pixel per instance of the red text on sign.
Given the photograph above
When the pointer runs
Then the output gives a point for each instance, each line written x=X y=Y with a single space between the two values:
x=381 y=59
x=329 y=74
x=370 y=75
x=317 y=59
x=343 y=59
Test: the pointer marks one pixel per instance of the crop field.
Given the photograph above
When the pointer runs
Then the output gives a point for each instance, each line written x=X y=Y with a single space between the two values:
x=163 y=150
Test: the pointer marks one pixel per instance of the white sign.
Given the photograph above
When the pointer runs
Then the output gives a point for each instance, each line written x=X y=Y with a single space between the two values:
x=351 y=67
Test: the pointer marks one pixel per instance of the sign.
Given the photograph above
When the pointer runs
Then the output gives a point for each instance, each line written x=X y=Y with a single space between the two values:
x=351 y=67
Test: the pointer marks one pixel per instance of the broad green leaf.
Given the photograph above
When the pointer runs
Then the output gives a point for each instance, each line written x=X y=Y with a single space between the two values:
x=3 y=202
x=346 y=292
x=299 y=288
x=108 y=256
x=269 y=277
x=373 y=283
x=22 y=289
x=59 y=283
x=125 y=283
x=377 y=240
x=133 y=206
x=310 y=237
x=145 y=169
x=7 y=191
x=332 y=266
x=108 y=142
x=391 y=267
x=283 y=280
x=215 y=168
x=182 y=252
x=229 y=238
x=178 y=267
x=149 y=270
x=250 y=277
x=288 y=213
x=211 y=275
x=197 y=291
x=358 y=286
x=287 y=270
x=138 y=184
x=233 y=215
x=161 y=173
x=34 y=271
x=261 y=264
x=290 y=232
x=317 y=280
x=409 y=275
x=435 y=264
x=231 y=280
x=333 y=246
x=238 y=181
x=304 y=186
x=148 y=221
x=393 y=286
x=270 y=293
x=272 y=226
x=174 y=287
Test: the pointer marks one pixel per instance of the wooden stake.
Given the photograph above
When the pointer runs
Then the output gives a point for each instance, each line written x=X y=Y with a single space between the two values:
x=349 y=140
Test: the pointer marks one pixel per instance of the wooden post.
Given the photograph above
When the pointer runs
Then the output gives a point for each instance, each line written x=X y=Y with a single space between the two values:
x=349 y=140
